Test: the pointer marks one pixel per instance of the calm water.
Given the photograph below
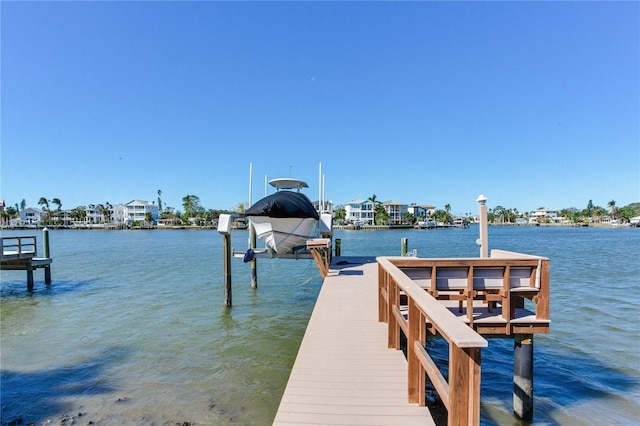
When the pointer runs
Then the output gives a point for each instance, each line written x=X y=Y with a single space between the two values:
x=133 y=329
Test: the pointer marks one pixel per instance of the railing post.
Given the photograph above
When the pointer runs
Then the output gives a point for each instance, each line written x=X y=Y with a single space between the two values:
x=415 y=371
x=382 y=288
x=393 y=326
x=464 y=386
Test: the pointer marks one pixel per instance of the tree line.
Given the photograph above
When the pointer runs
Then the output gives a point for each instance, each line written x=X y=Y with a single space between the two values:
x=194 y=213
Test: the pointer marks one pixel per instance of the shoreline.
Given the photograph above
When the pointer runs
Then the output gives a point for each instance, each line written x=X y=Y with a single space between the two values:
x=335 y=227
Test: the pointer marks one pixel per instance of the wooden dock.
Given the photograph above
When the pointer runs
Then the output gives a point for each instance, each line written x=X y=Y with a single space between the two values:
x=345 y=373
x=349 y=369
x=19 y=254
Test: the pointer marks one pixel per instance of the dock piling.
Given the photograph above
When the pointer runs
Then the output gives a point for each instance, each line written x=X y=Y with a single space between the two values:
x=29 y=278
x=47 y=255
x=523 y=376
x=224 y=228
x=404 y=245
x=45 y=242
x=254 y=262
x=338 y=246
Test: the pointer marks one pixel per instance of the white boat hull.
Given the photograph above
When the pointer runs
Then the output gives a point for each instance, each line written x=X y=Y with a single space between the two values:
x=283 y=235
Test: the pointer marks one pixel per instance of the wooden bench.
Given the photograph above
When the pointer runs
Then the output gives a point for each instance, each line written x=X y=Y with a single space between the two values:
x=480 y=286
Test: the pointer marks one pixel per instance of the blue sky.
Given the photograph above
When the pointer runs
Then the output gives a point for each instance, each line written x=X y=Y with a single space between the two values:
x=534 y=104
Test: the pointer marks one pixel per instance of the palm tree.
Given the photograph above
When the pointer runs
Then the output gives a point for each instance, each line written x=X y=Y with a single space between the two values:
x=79 y=214
x=375 y=203
x=105 y=211
x=380 y=214
x=159 y=200
x=45 y=207
x=44 y=203
x=191 y=204
x=612 y=206
x=57 y=202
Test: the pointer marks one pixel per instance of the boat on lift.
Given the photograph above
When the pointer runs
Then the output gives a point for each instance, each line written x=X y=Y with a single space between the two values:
x=286 y=219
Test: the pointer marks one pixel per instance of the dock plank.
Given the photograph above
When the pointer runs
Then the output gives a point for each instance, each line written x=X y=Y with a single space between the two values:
x=344 y=373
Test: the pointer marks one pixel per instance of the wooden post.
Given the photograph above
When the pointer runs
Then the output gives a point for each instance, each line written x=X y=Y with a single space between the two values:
x=254 y=261
x=404 y=243
x=29 y=277
x=415 y=371
x=464 y=386
x=227 y=268
x=45 y=243
x=47 y=255
x=338 y=246
x=483 y=241
x=224 y=228
x=523 y=376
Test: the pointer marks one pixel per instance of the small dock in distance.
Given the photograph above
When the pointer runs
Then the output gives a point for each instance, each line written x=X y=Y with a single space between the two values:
x=20 y=254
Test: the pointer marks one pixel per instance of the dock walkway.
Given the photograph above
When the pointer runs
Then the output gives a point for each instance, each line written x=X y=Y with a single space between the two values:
x=344 y=372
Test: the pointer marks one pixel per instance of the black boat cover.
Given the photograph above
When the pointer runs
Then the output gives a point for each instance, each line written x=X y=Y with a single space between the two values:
x=284 y=204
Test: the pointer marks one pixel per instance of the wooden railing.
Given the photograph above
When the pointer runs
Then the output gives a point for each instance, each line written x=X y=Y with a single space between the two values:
x=458 y=298
x=14 y=248
x=461 y=393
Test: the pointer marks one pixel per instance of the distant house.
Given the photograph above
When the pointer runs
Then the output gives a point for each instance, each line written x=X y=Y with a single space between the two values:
x=136 y=211
x=396 y=211
x=421 y=211
x=96 y=214
x=542 y=212
x=543 y=215
x=62 y=218
x=30 y=218
x=327 y=206
x=359 y=212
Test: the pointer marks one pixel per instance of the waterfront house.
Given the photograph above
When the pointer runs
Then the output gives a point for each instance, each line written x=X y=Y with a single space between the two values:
x=543 y=215
x=30 y=217
x=359 y=212
x=136 y=211
x=62 y=218
x=422 y=211
x=396 y=211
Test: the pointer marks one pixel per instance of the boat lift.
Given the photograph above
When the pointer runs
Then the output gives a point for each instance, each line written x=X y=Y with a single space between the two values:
x=318 y=249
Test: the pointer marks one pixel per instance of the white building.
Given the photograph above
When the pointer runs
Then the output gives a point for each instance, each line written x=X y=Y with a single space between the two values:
x=542 y=212
x=62 y=218
x=359 y=212
x=30 y=218
x=424 y=210
x=327 y=206
x=136 y=211
x=396 y=211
